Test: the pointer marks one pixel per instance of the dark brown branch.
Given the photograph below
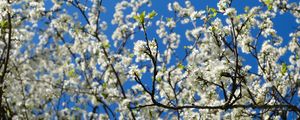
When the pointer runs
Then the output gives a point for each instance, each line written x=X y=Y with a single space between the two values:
x=2 y=109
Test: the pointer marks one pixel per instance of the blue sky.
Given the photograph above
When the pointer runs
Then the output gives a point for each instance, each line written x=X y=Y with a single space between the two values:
x=284 y=24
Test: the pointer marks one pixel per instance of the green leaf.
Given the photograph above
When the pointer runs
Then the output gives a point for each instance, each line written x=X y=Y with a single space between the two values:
x=283 y=68
x=180 y=66
x=164 y=69
x=136 y=18
x=246 y=8
x=128 y=106
x=270 y=7
x=131 y=55
x=104 y=85
x=297 y=57
x=268 y=1
x=123 y=30
x=158 y=79
x=104 y=95
x=169 y=19
x=72 y=73
x=213 y=28
x=150 y=114
x=106 y=45
x=77 y=108
x=298 y=82
x=269 y=4
x=152 y=14
x=213 y=12
x=142 y=17
x=4 y=24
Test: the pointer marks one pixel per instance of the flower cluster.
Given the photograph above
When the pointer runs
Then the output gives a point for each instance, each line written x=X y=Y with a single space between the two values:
x=68 y=59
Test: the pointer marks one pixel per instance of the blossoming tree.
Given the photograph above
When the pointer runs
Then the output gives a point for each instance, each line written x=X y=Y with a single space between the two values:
x=58 y=62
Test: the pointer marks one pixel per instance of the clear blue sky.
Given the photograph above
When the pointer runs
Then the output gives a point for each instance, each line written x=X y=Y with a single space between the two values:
x=284 y=24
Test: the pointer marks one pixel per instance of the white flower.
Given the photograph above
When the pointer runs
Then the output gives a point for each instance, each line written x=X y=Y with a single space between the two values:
x=223 y=4
x=230 y=12
x=185 y=21
x=176 y=6
x=170 y=7
x=139 y=47
x=133 y=70
x=171 y=23
x=267 y=85
x=245 y=43
x=103 y=25
x=196 y=14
